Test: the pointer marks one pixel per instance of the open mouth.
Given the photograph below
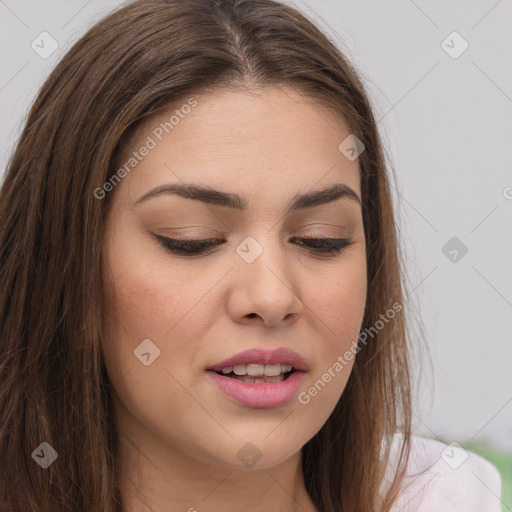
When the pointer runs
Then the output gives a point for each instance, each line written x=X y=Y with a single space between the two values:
x=256 y=373
x=257 y=385
x=259 y=379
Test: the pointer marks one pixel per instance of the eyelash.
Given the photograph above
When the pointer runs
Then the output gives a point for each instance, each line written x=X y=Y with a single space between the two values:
x=324 y=246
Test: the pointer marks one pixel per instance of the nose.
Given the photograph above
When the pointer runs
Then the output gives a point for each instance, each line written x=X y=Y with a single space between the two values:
x=264 y=290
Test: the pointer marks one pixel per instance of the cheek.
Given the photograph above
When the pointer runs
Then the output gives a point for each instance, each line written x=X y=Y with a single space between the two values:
x=149 y=295
x=339 y=301
x=339 y=311
x=156 y=299
x=142 y=302
x=149 y=302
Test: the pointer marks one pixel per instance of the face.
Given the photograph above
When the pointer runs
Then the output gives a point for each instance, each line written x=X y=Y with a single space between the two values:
x=259 y=285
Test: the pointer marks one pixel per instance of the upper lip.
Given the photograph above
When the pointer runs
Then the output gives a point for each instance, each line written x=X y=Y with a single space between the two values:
x=281 y=355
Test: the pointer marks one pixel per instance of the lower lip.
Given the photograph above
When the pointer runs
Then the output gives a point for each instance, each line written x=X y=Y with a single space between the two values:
x=272 y=394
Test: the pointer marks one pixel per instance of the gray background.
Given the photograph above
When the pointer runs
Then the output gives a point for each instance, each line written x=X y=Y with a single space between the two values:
x=447 y=125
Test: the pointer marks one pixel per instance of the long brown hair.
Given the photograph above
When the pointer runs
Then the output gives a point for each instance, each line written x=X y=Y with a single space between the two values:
x=53 y=384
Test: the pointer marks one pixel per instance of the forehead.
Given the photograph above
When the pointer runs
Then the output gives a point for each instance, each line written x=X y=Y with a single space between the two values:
x=269 y=141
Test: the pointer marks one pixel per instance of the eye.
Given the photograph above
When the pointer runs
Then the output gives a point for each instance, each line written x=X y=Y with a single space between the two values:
x=188 y=246
x=327 y=246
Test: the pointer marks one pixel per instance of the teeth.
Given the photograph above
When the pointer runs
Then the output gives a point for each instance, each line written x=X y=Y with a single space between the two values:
x=239 y=369
x=270 y=370
x=256 y=370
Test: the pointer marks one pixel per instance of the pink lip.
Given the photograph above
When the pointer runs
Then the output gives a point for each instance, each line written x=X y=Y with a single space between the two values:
x=280 y=355
x=273 y=394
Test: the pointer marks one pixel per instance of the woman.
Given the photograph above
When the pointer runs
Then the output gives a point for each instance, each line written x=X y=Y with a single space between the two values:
x=201 y=291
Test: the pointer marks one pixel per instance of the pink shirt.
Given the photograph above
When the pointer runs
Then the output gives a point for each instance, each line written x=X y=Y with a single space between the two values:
x=456 y=481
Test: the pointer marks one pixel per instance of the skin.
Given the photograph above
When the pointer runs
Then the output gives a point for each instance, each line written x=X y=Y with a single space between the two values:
x=180 y=435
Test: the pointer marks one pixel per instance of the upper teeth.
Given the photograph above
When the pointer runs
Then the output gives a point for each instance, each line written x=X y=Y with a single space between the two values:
x=253 y=369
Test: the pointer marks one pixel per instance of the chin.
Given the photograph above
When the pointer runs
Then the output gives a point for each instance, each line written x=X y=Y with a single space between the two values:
x=245 y=454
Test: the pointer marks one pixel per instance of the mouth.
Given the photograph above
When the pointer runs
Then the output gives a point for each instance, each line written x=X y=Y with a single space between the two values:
x=258 y=373
x=260 y=378
x=258 y=362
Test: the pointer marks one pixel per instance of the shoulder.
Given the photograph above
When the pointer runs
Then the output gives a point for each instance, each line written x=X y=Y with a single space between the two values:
x=447 y=478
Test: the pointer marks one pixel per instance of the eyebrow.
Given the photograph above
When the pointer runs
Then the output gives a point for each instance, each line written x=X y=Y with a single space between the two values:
x=216 y=197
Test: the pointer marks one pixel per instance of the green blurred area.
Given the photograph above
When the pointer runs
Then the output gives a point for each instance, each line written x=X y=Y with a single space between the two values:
x=503 y=463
